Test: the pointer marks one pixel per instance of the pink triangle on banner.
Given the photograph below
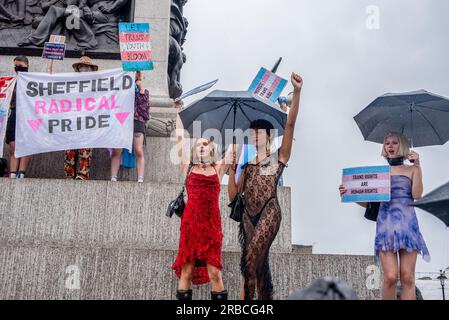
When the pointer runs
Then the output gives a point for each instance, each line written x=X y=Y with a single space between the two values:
x=35 y=124
x=121 y=116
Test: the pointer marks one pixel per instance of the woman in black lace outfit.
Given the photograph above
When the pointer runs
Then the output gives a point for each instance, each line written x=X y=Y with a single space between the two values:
x=262 y=216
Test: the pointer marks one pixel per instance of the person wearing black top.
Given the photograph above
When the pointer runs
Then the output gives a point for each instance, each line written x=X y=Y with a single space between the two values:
x=17 y=166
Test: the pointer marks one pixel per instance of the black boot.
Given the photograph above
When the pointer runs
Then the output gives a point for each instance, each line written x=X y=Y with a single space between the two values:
x=219 y=296
x=184 y=295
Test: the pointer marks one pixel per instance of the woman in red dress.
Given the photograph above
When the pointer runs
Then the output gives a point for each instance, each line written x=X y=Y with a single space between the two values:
x=199 y=255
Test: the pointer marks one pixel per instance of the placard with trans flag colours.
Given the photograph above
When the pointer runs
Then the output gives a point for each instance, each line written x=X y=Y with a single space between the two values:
x=267 y=85
x=367 y=184
x=135 y=46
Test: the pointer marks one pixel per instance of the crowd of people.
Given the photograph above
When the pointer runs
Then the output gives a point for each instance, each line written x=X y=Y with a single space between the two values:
x=199 y=260
x=77 y=163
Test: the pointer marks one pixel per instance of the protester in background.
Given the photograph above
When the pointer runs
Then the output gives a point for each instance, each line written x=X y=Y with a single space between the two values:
x=285 y=102
x=200 y=242
x=82 y=157
x=397 y=231
x=141 y=116
x=262 y=215
x=17 y=166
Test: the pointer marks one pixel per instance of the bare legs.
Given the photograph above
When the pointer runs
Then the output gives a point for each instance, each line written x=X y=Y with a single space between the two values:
x=115 y=162
x=185 y=280
x=140 y=158
x=405 y=270
x=17 y=164
x=407 y=275
x=138 y=149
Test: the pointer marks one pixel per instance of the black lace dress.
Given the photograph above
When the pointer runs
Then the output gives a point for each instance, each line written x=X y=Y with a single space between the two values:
x=260 y=225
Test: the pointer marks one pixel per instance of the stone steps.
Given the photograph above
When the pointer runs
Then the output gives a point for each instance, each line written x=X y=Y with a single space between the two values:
x=45 y=272
x=117 y=236
x=107 y=214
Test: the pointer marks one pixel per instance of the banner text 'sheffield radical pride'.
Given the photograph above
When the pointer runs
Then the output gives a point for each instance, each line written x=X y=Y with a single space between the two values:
x=74 y=110
x=35 y=89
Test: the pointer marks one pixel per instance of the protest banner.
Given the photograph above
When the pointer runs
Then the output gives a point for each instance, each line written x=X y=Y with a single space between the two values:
x=367 y=184
x=135 y=46
x=74 y=110
x=267 y=85
x=6 y=90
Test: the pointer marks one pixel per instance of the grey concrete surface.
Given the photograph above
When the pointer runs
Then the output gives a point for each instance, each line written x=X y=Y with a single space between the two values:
x=107 y=214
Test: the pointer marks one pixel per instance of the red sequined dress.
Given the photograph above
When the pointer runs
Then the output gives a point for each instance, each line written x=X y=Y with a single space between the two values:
x=201 y=234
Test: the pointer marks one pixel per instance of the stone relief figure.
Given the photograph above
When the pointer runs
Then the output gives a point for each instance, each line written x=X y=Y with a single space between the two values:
x=176 y=58
x=81 y=21
x=103 y=16
x=16 y=13
x=6 y=16
x=62 y=16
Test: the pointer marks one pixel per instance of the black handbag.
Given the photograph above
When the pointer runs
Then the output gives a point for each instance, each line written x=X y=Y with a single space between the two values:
x=372 y=211
x=238 y=204
x=178 y=205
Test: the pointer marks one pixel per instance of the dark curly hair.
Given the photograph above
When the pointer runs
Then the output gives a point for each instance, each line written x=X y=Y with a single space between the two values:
x=262 y=124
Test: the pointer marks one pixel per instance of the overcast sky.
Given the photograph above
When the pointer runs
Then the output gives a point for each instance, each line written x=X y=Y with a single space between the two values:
x=345 y=66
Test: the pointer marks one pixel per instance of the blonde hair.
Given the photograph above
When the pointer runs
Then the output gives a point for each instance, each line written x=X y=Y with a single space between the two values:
x=404 y=145
x=213 y=152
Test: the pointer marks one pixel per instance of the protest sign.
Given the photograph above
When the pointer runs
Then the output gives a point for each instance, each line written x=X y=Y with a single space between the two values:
x=267 y=85
x=198 y=89
x=53 y=51
x=74 y=110
x=367 y=184
x=135 y=46
x=57 y=39
x=6 y=90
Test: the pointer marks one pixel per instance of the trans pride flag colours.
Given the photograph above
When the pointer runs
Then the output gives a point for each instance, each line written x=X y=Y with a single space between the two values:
x=135 y=46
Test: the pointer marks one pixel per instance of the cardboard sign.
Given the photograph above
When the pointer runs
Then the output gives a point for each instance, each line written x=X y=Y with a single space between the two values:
x=267 y=85
x=135 y=46
x=74 y=110
x=367 y=184
x=57 y=39
x=53 y=51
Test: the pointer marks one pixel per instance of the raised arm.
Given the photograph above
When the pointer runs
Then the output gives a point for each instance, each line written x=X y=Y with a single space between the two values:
x=233 y=187
x=287 y=141
x=224 y=164
x=417 y=184
x=182 y=154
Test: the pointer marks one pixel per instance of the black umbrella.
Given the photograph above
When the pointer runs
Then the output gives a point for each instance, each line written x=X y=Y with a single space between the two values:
x=421 y=116
x=229 y=110
x=436 y=203
x=328 y=288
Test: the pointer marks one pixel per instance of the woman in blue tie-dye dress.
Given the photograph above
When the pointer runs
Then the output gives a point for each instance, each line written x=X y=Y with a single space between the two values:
x=398 y=238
